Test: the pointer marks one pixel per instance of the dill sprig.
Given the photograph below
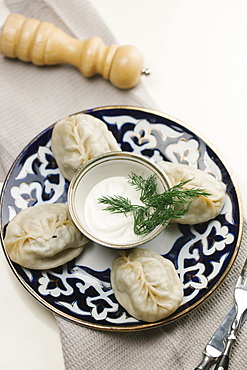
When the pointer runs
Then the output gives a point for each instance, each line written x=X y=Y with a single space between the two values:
x=157 y=208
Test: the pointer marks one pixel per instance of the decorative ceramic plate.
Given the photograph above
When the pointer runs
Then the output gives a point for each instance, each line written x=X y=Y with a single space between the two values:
x=80 y=290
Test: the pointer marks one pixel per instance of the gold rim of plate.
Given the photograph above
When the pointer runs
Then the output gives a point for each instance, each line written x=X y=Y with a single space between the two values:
x=169 y=319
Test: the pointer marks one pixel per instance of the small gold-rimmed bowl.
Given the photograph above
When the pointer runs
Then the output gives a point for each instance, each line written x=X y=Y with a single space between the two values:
x=104 y=227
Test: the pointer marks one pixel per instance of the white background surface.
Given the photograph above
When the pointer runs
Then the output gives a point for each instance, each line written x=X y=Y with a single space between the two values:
x=197 y=51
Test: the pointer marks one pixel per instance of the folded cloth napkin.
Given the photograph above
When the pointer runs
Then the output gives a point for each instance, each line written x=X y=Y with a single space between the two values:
x=31 y=99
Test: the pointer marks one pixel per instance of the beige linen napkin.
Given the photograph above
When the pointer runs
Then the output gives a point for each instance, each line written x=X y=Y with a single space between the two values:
x=31 y=99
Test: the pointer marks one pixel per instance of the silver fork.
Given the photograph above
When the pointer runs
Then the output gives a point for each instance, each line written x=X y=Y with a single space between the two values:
x=240 y=295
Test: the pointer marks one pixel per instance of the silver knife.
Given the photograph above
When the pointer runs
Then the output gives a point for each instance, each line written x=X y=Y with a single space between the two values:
x=216 y=344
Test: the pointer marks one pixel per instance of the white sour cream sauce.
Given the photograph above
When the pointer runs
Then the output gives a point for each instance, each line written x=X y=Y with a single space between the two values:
x=112 y=228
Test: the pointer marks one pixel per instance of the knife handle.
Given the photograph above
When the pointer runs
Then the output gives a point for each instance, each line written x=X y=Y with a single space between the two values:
x=44 y=44
x=223 y=362
x=206 y=363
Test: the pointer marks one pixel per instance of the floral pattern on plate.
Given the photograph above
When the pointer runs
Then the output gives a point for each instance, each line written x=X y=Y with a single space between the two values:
x=81 y=290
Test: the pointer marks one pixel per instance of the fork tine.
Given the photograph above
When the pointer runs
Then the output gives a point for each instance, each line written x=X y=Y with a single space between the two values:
x=243 y=275
x=239 y=281
x=244 y=269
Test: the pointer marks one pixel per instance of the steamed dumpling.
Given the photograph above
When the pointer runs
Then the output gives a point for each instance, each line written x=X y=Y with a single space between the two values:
x=202 y=209
x=43 y=237
x=146 y=284
x=78 y=138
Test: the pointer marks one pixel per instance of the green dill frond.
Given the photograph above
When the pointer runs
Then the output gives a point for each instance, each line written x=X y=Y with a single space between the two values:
x=157 y=209
x=117 y=204
x=147 y=187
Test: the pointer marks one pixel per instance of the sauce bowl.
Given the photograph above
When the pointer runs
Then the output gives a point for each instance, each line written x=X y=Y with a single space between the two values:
x=100 y=168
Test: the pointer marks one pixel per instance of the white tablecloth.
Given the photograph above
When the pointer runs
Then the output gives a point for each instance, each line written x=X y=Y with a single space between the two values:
x=197 y=52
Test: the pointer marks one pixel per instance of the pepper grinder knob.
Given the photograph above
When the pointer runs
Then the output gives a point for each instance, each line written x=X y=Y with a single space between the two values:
x=41 y=43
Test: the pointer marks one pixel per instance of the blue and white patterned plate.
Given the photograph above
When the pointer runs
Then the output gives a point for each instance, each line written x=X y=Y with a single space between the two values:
x=80 y=290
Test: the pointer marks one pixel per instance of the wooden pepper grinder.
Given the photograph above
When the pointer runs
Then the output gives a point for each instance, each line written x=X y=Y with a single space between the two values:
x=44 y=44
